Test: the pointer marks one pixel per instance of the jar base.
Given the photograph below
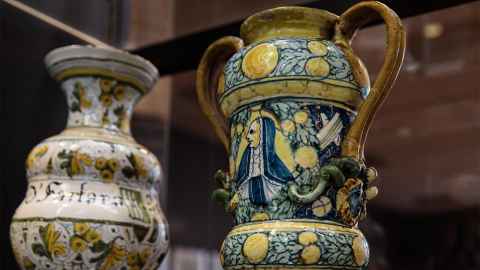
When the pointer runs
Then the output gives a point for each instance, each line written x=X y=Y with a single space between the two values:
x=294 y=244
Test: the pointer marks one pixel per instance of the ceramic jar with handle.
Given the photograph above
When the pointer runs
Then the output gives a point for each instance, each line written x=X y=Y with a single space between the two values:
x=292 y=104
x=91 y=201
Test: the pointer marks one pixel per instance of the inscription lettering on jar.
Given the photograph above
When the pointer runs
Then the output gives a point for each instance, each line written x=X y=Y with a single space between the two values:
x=87 y=194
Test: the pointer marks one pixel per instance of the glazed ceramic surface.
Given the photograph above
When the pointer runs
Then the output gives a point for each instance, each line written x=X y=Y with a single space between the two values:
x=293 y=104
x=91 y=201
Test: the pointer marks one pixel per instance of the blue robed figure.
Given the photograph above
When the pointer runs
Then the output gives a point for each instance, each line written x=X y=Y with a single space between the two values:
x=261 y=173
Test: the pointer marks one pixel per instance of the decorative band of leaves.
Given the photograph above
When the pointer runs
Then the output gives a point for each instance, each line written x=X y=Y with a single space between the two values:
x=292 y=248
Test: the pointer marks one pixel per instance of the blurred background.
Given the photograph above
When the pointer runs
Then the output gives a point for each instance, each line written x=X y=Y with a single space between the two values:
x=424 y=141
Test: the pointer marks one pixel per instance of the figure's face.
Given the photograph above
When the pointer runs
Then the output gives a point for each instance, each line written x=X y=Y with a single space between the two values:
x=253 y=134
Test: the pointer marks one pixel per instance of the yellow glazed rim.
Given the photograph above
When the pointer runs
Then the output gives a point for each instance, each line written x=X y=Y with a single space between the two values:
x=288 y=22
x=293 y=225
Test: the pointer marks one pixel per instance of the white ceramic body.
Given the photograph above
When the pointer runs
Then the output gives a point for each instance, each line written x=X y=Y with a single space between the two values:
x=91 y=201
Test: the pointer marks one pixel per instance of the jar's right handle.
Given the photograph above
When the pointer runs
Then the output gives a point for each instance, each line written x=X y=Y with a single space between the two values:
x=349 y=22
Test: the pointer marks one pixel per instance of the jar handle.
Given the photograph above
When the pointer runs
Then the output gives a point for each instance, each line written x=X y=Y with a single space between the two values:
x=208 y=74
x=349 y=22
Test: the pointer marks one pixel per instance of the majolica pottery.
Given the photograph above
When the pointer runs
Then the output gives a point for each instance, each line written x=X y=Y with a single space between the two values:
x=292 y=104
x=91 y=201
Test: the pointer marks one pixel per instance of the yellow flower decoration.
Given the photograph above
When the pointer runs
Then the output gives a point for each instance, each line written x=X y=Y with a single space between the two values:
x=78 y=161
x=307 y=238
x=113 y=164
x=78 y=245
x=306 y=156
x=100 y=163
x=288 y=126
x=92 y=236
x=300 y=117
x=80 y=228
x=106 y=100
x=105 y=85
x=107 y=175
x=119 y=92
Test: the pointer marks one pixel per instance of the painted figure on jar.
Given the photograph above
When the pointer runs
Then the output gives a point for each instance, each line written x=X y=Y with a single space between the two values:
x=261 y=173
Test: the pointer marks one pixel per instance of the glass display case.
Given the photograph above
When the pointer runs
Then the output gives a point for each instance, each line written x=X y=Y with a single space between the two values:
x=423 y=141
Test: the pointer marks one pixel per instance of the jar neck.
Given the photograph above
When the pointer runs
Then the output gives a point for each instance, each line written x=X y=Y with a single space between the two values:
x=288 y=22
x=100 y=102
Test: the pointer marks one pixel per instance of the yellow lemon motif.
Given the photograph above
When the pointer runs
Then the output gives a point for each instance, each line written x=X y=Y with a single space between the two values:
x=260 y=216
x=360 y=250
x=306 y=156
x=317 y=48
x=322 y=206
x=221 y=84
x=310 y=254
x=318 y=67
x=307 y=238
x=260 y=61
x=300 y=117
x=255 y=247
x=288 y=126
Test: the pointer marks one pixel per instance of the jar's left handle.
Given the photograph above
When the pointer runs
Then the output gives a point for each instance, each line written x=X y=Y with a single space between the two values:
x=208 y=74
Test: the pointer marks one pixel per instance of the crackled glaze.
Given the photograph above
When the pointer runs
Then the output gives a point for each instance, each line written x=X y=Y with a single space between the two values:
x=91 y=201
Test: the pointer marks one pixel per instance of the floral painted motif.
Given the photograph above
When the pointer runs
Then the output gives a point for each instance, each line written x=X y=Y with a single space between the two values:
x=91 y=200
x=99 y=161
x=50 y=246
x=90 y=245
x=74 y=162
x=82 y=102
x=107 y=102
